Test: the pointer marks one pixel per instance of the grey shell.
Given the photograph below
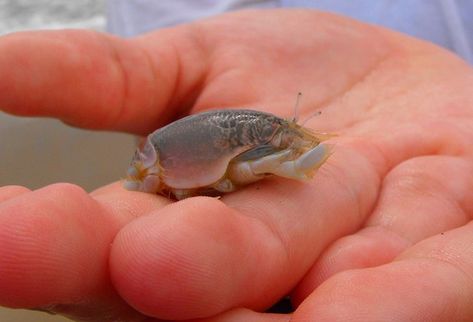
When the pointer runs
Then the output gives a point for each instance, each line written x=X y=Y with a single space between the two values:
x=195 y=151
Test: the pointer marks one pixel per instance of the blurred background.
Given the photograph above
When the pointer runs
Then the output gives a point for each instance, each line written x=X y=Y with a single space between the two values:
x=36 y=152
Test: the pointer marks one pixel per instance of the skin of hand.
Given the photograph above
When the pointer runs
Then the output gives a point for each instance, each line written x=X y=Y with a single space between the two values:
x=383 y=232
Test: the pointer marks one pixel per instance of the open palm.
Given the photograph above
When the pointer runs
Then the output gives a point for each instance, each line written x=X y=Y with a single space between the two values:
x=383 y=230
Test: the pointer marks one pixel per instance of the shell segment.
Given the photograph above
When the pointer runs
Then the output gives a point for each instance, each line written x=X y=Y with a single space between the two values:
x=195 y=151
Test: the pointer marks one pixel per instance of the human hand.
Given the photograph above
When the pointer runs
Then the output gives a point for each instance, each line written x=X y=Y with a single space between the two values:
x=383 y=230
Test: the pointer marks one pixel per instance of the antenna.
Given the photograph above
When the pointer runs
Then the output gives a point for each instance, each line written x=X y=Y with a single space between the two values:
x=296 y=108
x=310 y=117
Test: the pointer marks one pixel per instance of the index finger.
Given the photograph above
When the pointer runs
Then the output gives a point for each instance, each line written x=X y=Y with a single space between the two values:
x=93 y=80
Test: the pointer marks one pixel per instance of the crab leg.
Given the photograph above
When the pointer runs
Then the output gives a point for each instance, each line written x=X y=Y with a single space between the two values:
x=301 y=168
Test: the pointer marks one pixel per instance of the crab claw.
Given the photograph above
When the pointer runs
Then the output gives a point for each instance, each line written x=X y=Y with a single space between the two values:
x=309 y=162
x=301 y=168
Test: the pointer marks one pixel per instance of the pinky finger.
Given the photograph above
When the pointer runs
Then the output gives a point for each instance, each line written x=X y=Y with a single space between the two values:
x=432 y=281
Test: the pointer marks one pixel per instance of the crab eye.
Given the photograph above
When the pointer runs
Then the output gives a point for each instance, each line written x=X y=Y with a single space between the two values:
x=148 y=155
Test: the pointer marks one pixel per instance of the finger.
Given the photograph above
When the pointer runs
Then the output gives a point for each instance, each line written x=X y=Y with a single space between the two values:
x=126 y=205
x=46 y=233
x=96 y=80
x=54 y=246
x=110 y=188
x=254 y=245
x=433 y=281
x=9 y=192
x=415 y=202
